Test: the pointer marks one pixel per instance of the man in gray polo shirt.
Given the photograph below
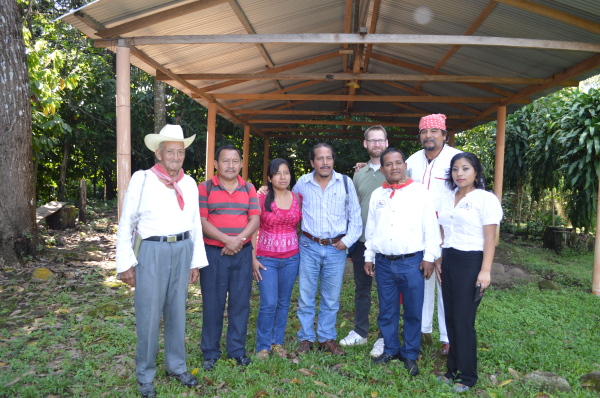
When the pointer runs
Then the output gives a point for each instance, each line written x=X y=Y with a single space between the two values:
x=366 y=180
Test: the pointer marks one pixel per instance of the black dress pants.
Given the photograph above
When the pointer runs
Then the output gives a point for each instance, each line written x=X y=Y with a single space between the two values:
x=459 y=276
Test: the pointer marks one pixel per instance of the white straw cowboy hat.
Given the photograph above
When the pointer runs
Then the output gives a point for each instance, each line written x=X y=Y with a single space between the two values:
x=171 y=132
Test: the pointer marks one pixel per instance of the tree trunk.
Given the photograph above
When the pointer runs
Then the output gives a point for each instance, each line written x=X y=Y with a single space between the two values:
x=18 y=232
x=62 y=181
x=160 y=106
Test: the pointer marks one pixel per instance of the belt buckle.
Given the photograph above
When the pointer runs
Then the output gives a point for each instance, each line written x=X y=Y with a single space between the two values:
x=172 y=238
x=321 y=241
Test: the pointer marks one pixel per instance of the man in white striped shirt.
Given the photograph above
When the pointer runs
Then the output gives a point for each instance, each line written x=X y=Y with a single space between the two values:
x=331 y=222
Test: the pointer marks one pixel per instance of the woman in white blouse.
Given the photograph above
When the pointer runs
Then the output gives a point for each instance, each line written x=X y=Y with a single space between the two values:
x=468 y=218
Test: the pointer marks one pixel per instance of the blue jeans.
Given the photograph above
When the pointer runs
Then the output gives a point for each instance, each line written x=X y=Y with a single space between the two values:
x=275 y=291
x=394 y=277
x=327 y=264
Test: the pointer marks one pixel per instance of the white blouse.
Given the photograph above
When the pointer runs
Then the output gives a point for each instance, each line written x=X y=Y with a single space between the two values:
x=463 y=224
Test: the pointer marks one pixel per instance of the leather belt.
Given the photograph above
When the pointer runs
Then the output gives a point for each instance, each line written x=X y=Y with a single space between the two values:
x=245 y=245
x=323 y=241
x=170 y=238
x=400 y=256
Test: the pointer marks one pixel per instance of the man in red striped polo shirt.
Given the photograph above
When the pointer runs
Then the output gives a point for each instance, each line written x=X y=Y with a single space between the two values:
x=230 y=214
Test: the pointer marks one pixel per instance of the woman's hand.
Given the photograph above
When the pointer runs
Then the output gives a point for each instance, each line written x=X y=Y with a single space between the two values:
x=256 y=267
x=484 y=279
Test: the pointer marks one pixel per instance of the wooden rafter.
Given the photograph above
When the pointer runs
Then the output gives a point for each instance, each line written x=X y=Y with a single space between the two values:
x=347 y=27
x=339 y=113
x=421 y=92
x=552 y=13
x=363 y=76
x=284 y=90
x=332 y=122
x=430 y=71
x=352 y=38
x=144 y=57
x=335 y=137
x=570 y=73
x=158 y=17
x=372 y=29
x=364 y=98
x=474 y=26
x=277 y=69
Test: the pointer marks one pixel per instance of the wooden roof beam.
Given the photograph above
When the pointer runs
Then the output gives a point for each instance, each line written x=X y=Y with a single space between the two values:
x=363 y=76
x=334 y=122
x=364 y=98
x=284 y=90
x=156 y=65
x=474 y=26
x=354 y=38
x=161 y=16
x=570 y=73
x=430 y=71
x=552 y=13
x=420 y=92
x=340 y=113
x=277 y=69
x=347 y=27
x=335 y=137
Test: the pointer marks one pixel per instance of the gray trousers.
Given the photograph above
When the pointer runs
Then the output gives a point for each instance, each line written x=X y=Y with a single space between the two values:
x=161 y=280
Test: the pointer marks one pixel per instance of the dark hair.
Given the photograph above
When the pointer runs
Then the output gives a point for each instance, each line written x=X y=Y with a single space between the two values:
x=272 y=169
x=313 y=152
x=226 y=148
x=391 y=150
x=479 y=182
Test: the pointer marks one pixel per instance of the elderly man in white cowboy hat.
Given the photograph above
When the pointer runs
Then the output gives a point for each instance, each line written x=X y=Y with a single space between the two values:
x=159 y=251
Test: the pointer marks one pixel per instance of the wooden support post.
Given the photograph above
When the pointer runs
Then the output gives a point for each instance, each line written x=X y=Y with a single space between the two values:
x=499 y=163
x=596 y=274
x=123 y=117
x=210 y=140
x=265 y=161
x=451 y=137
x=246 y=152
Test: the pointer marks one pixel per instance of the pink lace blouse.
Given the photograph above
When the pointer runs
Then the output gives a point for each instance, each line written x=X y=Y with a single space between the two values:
x=277 y=236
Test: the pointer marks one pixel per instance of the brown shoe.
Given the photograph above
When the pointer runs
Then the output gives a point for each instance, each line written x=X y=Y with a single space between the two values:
x=305 y=346
x=278 y=350
x=332 y=347
x=445 y=348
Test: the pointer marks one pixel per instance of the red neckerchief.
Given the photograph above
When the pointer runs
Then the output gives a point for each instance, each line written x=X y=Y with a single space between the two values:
x=397 y=186
x=160 y=172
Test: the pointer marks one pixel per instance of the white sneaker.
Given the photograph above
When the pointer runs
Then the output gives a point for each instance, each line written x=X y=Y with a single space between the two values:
x=353 y=338
x=377 y=348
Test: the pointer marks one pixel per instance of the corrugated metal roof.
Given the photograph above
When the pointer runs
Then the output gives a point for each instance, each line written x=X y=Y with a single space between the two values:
x=408 y=17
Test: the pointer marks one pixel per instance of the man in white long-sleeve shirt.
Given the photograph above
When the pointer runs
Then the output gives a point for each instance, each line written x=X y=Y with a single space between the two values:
x=163 y=202
x=403 y=239
x=430 y=166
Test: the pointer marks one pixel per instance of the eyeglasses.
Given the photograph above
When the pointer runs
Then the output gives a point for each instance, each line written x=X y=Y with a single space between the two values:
x=376 y=141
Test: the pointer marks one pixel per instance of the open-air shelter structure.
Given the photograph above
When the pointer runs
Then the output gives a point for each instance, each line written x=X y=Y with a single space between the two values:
x=271 y=65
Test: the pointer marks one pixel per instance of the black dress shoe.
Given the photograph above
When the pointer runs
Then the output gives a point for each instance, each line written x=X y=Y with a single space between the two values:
x=147 y=389
x=410 y=365
x=209 y=364
x=243 y=360
x=186 y=378
x=385 y=358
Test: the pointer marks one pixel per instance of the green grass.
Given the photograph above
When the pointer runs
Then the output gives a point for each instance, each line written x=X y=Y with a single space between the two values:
x=67 y=352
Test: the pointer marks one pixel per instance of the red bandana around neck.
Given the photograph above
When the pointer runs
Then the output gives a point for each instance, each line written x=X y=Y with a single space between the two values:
x=160 y=172
x=397 y=186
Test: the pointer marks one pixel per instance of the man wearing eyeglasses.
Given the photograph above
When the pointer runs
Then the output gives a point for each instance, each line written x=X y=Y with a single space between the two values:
x=366 y=180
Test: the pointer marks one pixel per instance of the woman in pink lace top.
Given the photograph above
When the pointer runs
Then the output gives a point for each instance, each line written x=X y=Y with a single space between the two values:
x=276 y=258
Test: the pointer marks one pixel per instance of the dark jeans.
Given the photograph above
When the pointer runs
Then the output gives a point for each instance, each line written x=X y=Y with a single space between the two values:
x=225 y=274
x=362 y=292
x=459 y=276
x=395 y=277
